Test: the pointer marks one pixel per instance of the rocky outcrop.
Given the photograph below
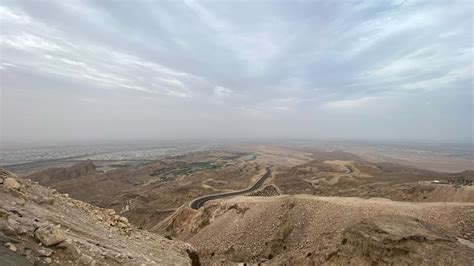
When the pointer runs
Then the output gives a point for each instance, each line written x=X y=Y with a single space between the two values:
x=11 y=183
x=55 y=175
x=41 y=226
x=50 y=235
x=267 y=191
x=393 y=239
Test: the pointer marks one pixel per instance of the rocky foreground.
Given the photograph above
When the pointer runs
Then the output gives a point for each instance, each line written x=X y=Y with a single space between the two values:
x=41 y=226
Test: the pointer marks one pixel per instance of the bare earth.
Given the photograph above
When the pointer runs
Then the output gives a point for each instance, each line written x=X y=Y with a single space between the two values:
x=320 y=206
x=308 y=229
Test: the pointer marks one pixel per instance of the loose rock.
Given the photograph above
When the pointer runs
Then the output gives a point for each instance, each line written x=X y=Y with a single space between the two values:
x=11 y=247
x=85 y=260
x=50 y=235
x=11 y=183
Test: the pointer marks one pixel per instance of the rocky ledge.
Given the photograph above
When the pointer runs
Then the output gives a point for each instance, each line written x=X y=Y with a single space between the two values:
x=38 y=225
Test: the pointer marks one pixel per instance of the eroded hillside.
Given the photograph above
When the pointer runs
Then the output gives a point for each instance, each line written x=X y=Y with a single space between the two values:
x=39 y=225
x=146 y=194
x=316 y=207
x=363 y=179
x=309 y=230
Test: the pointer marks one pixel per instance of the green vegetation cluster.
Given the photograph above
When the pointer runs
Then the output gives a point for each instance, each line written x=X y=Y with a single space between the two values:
x=182 y=168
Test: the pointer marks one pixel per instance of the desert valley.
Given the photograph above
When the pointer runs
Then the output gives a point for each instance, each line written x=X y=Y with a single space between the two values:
x=289 y=204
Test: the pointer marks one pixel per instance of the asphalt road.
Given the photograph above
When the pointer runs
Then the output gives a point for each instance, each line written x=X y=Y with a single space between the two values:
x=197 y=203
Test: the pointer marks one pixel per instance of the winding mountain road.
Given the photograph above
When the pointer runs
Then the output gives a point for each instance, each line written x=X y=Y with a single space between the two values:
x=197 y=203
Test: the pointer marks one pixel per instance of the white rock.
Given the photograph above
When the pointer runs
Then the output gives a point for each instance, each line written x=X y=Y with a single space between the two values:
x=11 y=183
x=11 y=247
x=45 y=252
x=50 y=235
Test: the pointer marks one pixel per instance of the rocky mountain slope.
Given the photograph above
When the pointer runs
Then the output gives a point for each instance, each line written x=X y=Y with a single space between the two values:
x=147 y=193
x=54 y=175
x=39 y=225
x=311 y=230
x=366 y=180
x=334 y=210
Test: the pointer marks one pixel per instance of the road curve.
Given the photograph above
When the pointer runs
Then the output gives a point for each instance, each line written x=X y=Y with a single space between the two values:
x=197 y=203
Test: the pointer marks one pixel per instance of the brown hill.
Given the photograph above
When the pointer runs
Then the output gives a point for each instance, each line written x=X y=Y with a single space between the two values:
x=149 y=193
x=363 y=179
x=54 y=175
x=309 y=230
x=335 y=155
x=146 y=194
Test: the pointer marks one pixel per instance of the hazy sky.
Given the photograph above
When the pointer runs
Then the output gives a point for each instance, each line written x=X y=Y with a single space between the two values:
x=98 y=70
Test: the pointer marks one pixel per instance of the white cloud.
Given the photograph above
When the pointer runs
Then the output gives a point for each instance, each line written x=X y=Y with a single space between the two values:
x=100 y=66
x=367 y=34
x=266 y=59
x=210 y=19
x=446 y=81
x=4 y=65
x=220 y=91
x=348 y=104
x=11 y=16
x=27 y=41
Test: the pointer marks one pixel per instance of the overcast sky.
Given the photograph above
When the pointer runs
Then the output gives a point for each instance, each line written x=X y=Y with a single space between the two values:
x=103 y=70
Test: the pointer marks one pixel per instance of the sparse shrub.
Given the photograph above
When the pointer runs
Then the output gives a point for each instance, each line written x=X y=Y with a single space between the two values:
x=3 y=215
x=344 y=241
